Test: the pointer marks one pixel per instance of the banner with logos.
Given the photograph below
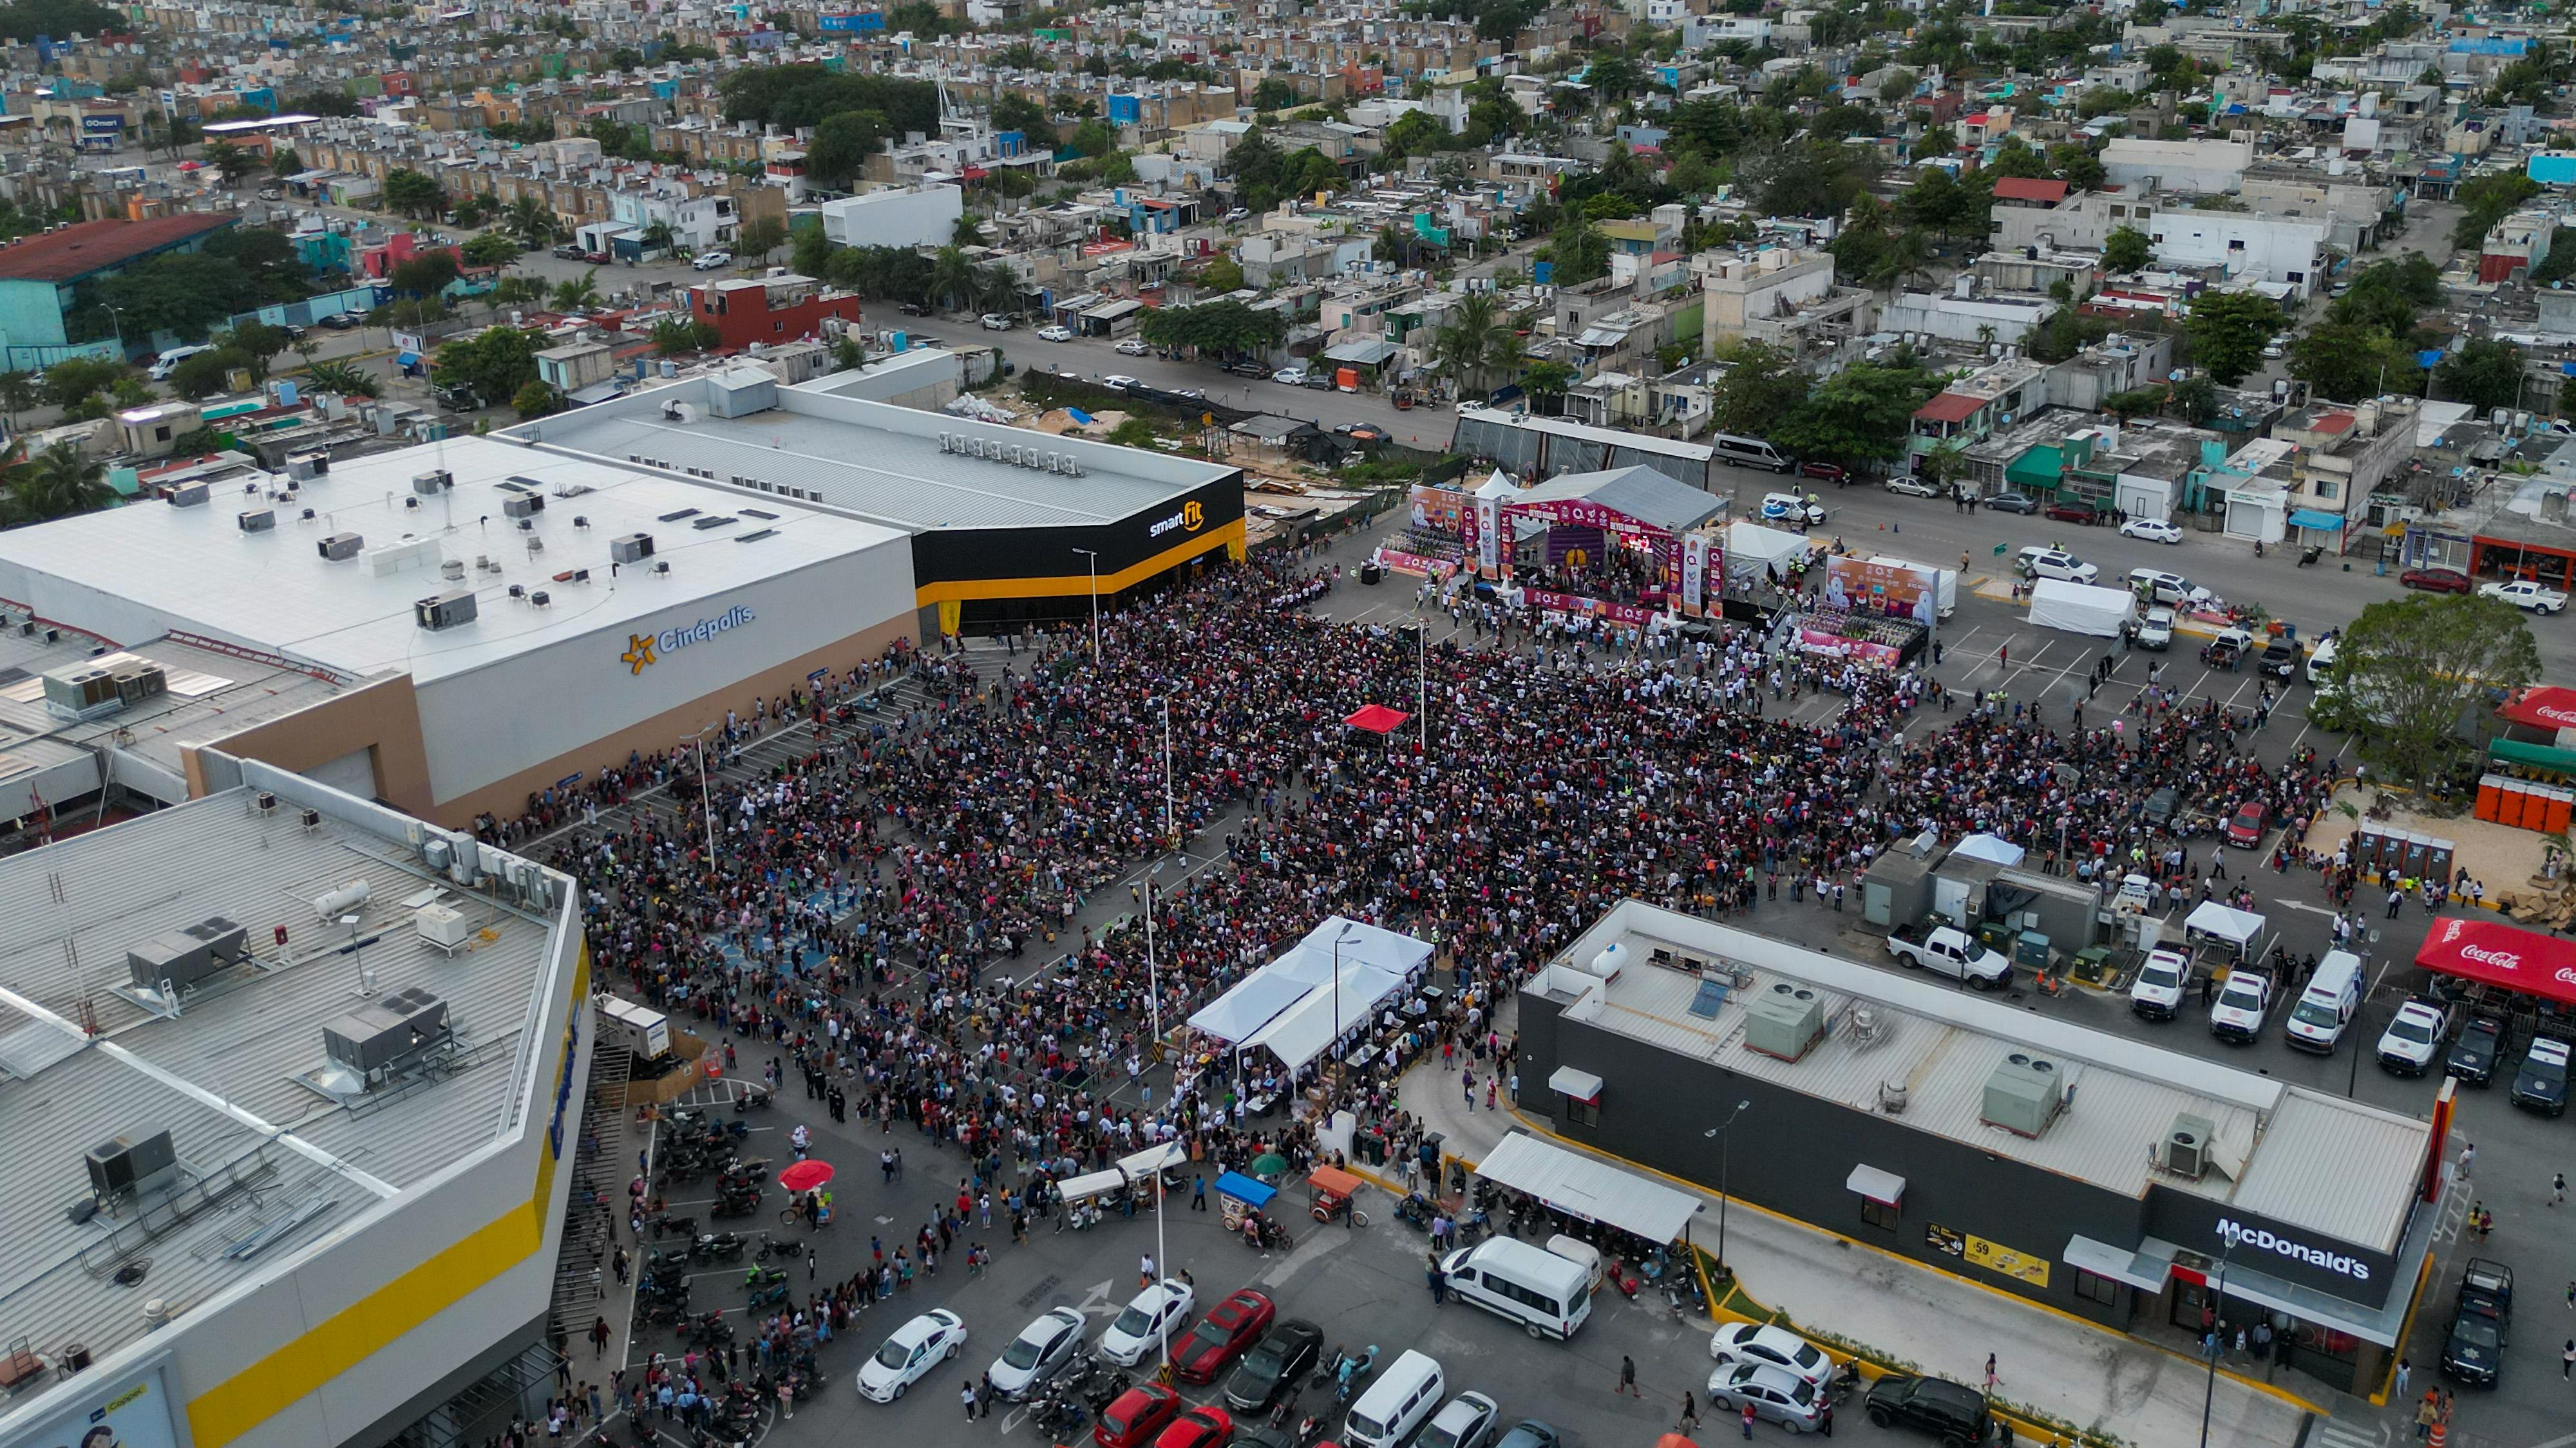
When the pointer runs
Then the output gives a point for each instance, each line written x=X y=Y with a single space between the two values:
x=1488 y=542
x=1400 y=561
x=1694 y=572
x=1860 y=586
x=1627 y=613
x=1440 y=510
x=1817 y=640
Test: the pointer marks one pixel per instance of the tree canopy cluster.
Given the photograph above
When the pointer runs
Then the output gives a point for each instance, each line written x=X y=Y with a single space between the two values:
x=2368 y=342
x=1861 y=415
x=24 y=20
x=239 y=269
x=1225 y=327
x=1264 y=176
x=794 y=96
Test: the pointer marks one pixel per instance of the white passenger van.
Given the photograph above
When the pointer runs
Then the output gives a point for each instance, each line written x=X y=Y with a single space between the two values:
x=1548 y=1295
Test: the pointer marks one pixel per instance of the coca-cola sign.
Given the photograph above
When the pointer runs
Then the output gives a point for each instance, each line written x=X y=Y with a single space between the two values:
x=2500 y=959
x=2504 y=955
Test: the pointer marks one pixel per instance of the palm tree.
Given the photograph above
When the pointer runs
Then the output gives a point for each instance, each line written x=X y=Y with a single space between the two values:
x=1395 y=244
x=1476 y=342
x=1907 y=255
x=531 y=218
x=18 y=390
x=60 y=481
x=996 y=288
x=657 y=236
x=578 y=294
x=952 y=278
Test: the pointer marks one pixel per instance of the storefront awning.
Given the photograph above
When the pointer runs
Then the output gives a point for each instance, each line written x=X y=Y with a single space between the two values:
x=2145 y=1269
x=2532 y=756
x=1593 y=1190
x=2502 y=955
x=2543 y=708
x=1883 y=1187
x=1583 y=1086
x=2312 y=518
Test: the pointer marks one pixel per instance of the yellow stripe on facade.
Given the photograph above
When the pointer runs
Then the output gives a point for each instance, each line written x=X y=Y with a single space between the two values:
x=1076 y=585
x=374 y=1322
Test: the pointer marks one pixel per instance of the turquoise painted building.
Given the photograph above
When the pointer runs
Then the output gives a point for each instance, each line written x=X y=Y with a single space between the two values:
x=40 y=276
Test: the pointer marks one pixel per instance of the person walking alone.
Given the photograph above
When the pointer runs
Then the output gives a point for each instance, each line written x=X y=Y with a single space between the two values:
x=1628 y=1378
x=1689 y=1422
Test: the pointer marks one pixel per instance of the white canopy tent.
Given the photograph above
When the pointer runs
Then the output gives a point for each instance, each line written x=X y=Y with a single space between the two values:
x=1308 y=1029
x=1990 y=847
x=1262 y=998
x=1751 y=547
x=2238 y=927
x=1593 y=1190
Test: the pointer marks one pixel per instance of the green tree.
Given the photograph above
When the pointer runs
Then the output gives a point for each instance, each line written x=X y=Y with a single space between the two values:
x=18 y=392
x=531 y=220
x=1475 y=343
x=2228 y=331
x=206 y=373
x=426 y=274
x=1273 y=94
x=56 y=483
x=535 y=399
x=518 y=291
x=760 y=239
x=490 y=248
x=1761 y=388
x=1132 y=432
x=258 y=343
x=230 y=161
x=2486 y=200
x=1547 y=381
x=414 y=195
x=1579 y=253
x=2126 y=250
x=1030 y=119
x=1862 y=414
x=74 y=378
x=2484 y=373
x=2410 y=670
x=24 y=20
x=675 y=335
x=2347 y=361
x=494 y=363
x=1221 y=275
x=578 y=294
x=334 y=375
x=1223 y=327
x=842 y=145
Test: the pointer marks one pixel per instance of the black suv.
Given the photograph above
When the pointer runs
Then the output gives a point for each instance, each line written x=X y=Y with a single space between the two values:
x=2541 y=1084
x=1953 y=1411
x=2473 y=1344
x=2481 y=1043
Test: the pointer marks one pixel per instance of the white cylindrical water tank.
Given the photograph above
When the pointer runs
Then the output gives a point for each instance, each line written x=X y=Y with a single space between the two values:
x=1610 y=962
x=343 y=900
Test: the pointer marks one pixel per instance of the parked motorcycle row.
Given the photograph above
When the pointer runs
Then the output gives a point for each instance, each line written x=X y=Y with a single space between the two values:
x=1066 y=1405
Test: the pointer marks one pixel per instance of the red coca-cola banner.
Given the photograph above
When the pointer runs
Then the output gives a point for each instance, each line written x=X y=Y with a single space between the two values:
x=2502 y=955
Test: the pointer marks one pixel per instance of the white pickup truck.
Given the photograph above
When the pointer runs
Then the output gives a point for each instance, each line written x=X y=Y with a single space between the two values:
x=1951 y=952
x=2526 y=594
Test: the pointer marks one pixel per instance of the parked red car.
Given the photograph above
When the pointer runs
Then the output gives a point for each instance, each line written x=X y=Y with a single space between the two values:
x=1830 y=472
x=2435 y=580
x=2245 y=827
x=2074 y=510
x=1137 y=1415
x=1199 y=1428
x=1226 y=1333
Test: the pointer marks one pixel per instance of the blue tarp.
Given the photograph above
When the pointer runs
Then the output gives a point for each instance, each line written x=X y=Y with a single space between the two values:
x=1245 y=1190
x=1078 y=415
x=2311 y=518
x=408 y=359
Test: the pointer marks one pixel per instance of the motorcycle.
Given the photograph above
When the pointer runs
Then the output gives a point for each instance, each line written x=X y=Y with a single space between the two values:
x=718 y=1247
x=1350 y=1372
x=1261 y=1235
x=767 y=1297
x=1415 y=1211
x=735 y=1204
x=759 y=1277
x=665 y=1225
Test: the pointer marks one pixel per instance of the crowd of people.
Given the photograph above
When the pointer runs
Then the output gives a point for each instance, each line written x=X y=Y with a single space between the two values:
x=887 y=896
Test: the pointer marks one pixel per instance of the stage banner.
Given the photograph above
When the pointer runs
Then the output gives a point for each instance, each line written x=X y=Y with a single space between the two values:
x=1488 y=542
x=1857 y=585
x=1694 y=571
x=1400 y=561
x=1627 y=613
x=1441 y=510
x=1824 y=641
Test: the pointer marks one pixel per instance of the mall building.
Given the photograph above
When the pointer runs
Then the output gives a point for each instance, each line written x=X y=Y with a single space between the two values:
x=2110 y=1179
x=454 y=627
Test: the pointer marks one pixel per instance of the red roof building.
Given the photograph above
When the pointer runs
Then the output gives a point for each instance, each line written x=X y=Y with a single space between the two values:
x=86 y=249
x=2030 y=189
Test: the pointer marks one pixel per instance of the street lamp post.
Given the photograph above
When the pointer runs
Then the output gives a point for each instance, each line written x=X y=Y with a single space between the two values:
x=1346 y=932
x=1154 y=1018
x=1725 y=1150
x=1094 y=556
x=706 y=801
x=116 y=320
x=2209 y=1348
x=1170 y=840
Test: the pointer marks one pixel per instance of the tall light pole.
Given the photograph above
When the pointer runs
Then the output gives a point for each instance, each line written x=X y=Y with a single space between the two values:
x=1154 y=1016
x=1094 y=556
x=2209 y=1349
x=1422 y=683
x=1347 y=930
x=1725 y=1150
x=1170 y=839
x=706 y=801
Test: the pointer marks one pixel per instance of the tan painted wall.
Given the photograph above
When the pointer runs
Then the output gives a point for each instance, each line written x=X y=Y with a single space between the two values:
x=387 y=716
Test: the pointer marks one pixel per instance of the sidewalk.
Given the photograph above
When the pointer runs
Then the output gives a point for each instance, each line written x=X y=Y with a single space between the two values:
x=2059 y=1364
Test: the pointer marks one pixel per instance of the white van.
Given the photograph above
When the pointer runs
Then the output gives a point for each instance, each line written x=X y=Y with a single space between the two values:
x=2321 y=661
x=1402 y=1399
x=2327 y=1006
x=1751 y=452
x=1548 y=1295
x=168 y=362
x=1582 y=1253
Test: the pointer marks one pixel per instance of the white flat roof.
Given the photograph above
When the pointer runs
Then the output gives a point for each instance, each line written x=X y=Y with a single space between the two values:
x=142 y=570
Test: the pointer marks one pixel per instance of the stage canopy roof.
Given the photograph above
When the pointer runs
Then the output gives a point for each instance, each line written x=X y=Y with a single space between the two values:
x=1639 y=494
x=1301 y=970
x=1377 y=719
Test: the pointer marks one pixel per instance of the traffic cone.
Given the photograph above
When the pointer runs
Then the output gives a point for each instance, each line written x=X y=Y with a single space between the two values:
x=2441 y=1431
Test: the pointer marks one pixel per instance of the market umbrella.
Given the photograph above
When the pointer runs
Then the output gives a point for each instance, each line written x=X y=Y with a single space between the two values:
x=1269 y=1166
x=805 y=1176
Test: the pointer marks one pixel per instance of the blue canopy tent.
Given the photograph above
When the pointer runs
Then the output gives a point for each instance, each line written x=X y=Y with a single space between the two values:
x=1237 y=1194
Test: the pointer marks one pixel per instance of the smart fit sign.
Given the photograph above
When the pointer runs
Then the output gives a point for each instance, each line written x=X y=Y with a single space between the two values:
x=645 y=650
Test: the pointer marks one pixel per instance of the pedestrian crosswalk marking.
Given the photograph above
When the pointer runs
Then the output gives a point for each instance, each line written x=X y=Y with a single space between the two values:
x=2328 y=1433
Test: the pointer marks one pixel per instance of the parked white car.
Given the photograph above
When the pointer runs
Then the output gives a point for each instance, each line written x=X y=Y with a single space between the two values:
x=996 y=322
x=913 y=1350
x=2523 y=593
x=1133 y=347
x=2157 y=992
x=2037 y=562
x=1055 y=334
x=1150 y=1317
x=711 y=260
x=1912 y=487
x=1039 y=1352
x=1751 y=1342
x=1293 y=376
x=2407 y=1046
x=2155 y=631
x=1116 y=383
x=2243 y=1001
x=2154 y=530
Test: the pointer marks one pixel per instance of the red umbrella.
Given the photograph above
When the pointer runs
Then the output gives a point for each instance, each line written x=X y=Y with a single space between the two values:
x=805 y=1176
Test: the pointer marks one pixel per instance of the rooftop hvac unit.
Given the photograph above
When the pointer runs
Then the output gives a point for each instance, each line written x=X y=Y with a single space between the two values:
x=185 y=956
x=1785 y=1021
x=379 y=1039
x=431 y=484
x=445 y=610
x=309 y=465
x=2187 y=1146
x=188 y=495
x=81 y=690
x=444 y=926
x=2024 y=1094
x=522 y=506
x=255 y=520
x=341 y=547
x=540 y=598
x=453 y=570
x=135 y=685
x=630 y=548
x=126 y=1166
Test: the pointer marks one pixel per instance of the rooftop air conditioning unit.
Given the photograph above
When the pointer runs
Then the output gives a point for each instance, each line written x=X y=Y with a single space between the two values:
x=445 y=610
x=341 y=547
x=129 y=1166
x=2187 y=1146
x=1785 y=1021
x=255 y=520
x=378 y=1039
x=522 y=506
x=187 y=495
x=631 y=548
x=433 y=483
x=2024 y=1094
x=133 y=686
x=185 y=956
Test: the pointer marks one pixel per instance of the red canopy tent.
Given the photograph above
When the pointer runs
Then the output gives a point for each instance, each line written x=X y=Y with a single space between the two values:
x=1377 y=719
x=2543 y=708
x=2502 y=955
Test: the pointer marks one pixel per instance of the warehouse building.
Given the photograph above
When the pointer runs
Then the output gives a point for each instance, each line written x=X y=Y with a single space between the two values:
x=1007 y=525
x=2107 y=1178
x=290 y=1095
